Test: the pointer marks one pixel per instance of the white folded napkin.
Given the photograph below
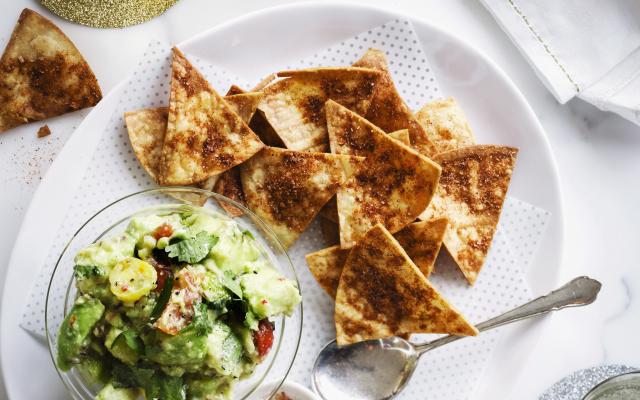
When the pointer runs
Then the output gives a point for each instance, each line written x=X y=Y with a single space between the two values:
x=584 y=48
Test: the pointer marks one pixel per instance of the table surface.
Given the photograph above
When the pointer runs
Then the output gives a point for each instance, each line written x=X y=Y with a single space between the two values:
x=597 y=153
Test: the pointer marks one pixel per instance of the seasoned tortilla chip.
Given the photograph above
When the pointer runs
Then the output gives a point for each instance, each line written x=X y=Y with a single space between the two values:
x=392 y=186
x=288 y=188
x=235 y=89
x=421 y=241
x=382 y=293
x=388 y=111
x=264 y=82
x=472 y=189
x=204 y=136
x=147 y=128
x=244 y=104
x=402 y=136
x=445 y=124
x=43 y=74
x=294 y=107
x=230 y=186
x=326 y=266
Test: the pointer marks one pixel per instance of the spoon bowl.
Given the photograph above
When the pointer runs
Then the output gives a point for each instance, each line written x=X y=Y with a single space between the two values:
x=379 y=369
x=373 y=369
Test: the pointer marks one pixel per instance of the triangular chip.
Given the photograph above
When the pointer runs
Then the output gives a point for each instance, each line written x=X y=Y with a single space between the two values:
x=147 y=128
x=204 y=136
x=420 y=240
x=402 y=136
x=244 y=104
x=288 y=188
x=326 y=266
x=446 y=125
x=388 y=111
x=235 y=89
x=230 y=186
x=382 y=293
x=330 y=210
x=43 y=74
x=392 y=186
x=472 y=189
x=294 y=106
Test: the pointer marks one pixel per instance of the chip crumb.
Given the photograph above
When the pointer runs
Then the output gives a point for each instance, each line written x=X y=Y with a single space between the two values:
x=44 y=131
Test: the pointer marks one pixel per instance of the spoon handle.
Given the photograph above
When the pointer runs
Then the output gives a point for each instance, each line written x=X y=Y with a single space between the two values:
x=579 y=292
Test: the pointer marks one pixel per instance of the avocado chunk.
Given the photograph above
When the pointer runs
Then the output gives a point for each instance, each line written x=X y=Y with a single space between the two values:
x=111 y=393
x=224 y=351
x=189 y=346
x=74 y=332
x=209 y=388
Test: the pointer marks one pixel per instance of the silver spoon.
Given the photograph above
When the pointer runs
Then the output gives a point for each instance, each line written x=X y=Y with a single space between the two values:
x=380 y=369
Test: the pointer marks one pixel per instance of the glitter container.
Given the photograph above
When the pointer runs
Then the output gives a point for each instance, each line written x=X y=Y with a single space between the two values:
x=621 y=387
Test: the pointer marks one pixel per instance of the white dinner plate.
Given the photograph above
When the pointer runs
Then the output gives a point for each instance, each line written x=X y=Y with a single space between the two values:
x=257 y=43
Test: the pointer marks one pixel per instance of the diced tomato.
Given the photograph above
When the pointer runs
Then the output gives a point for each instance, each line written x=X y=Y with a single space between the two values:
x=263 y=338
x=164 y=230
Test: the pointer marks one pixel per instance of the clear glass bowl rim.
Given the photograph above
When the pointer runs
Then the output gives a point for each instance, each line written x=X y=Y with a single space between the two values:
x=208 y=195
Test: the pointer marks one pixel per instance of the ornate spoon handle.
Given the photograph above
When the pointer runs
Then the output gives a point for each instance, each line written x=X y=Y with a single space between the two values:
x=579 y=292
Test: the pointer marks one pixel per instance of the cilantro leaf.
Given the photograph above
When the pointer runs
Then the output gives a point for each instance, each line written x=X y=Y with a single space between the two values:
x=248 y=233
x=192 y=250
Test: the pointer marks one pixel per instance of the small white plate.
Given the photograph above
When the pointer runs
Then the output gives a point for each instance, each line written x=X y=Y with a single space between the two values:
x=259 y=41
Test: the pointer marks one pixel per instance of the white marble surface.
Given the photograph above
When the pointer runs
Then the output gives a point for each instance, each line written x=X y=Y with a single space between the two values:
x=598 y=155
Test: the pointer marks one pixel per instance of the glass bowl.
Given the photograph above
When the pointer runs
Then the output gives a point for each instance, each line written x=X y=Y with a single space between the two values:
x=113 y=219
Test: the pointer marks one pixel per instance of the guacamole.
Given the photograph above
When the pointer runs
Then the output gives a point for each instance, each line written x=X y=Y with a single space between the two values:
x=178 y=306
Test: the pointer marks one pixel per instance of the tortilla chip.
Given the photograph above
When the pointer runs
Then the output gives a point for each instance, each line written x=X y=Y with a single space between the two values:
x=382 y=293
x=421 y=241
x=326 y=266
x=235 y=89
x=294 y=107
x=204 y=136
x=146 y=128
x=230 y=186
x=472 y=189
x=392 y=186
x=388 y=111
x=43 y=74
x=244 y=104
x=446 y=125
x=264 y=82
x=402 y=136
x=288 y=188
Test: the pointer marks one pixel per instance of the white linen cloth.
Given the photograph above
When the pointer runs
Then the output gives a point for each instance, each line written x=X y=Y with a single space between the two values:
x=584 y=48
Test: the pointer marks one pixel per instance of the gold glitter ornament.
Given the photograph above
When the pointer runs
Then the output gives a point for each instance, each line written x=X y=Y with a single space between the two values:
x=108 y=13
